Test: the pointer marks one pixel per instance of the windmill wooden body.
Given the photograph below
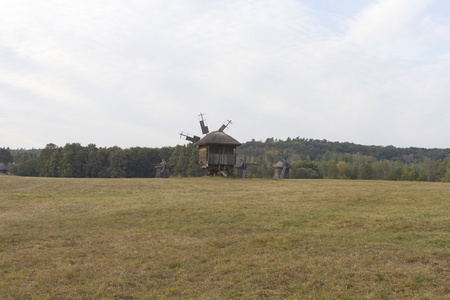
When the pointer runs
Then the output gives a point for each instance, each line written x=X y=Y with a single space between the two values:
x=282 y=168
x=216 y=150
x=3 y=168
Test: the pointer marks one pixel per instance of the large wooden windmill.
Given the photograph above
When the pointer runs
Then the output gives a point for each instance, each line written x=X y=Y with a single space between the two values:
x=282 y=168
x=216 y=150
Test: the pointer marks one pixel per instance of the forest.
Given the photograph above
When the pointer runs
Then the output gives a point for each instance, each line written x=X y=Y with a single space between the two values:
x=313 y=159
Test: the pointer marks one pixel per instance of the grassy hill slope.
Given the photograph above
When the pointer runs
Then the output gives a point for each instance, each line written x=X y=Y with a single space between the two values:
x=223 y=238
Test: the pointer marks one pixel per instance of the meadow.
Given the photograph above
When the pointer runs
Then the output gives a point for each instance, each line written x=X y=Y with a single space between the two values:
x=216 y=238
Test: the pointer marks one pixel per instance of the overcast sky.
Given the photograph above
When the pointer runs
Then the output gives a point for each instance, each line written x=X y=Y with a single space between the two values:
x=138 y=72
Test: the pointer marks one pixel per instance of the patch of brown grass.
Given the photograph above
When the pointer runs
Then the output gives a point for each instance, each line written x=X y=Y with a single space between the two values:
x=223 y=239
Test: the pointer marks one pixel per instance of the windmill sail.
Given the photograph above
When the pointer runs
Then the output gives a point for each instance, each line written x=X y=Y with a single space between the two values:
x=283 y=171
x=203 y=125
x=225 y=125
x=190 y=137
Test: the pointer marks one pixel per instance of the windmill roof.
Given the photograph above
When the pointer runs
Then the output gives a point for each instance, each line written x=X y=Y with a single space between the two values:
x=279 y=164
x=218 y=137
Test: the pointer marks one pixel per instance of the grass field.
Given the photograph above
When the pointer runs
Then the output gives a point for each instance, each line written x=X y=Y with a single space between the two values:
x=214 y=238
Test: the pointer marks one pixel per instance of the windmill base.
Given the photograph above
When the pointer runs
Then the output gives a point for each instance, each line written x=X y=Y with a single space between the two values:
x=223 y=171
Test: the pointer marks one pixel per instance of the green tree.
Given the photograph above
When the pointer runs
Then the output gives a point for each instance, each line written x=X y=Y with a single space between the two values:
x=5 y=156
x=382 y=169
x=430 y=168
x=73 y=161
x=44 y=159
x=192 y=167
x=20 y=157
x=136 y=162
x=54 y=165
x=80 y=160
x=328 y=169
x=442 y=168
x=346 y=170
x=180 y=159
x=26 y=168
x=306 y=170
x=446 y=177
x=410 y=175
x=366 y=171
x=117 y=164
x=97 y=163
x=141 y=162
x=396 y=174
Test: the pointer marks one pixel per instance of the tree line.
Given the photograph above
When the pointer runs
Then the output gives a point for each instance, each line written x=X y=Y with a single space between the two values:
x=334 y=160
x=312 y=159
x=77 y=161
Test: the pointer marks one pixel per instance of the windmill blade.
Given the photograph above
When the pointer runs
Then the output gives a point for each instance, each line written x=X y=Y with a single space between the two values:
x=290 y=157
x=190 y=137
x=203 y=125
x=291 y=167
x=163 y=162
x=281 y=159
x=241 y=163
x=283 y=171
x=225 y=125
x=244 y=166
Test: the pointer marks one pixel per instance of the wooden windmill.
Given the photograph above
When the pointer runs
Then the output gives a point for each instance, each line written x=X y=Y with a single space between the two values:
x=216 y=150
x=282 y=168
x=163 y=169
x=241 y=167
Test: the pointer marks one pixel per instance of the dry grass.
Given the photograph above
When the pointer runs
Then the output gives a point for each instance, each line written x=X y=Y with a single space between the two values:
x=212 y=238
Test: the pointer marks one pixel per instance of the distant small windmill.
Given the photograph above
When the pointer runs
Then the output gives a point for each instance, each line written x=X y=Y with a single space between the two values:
x=241 y=167
x=216 y=150
x=282 y=168
x=163 y=169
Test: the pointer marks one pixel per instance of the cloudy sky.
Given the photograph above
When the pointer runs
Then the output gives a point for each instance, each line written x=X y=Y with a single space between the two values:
x=138 y=72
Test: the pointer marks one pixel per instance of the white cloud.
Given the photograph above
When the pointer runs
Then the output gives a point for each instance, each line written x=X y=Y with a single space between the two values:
x=136 y=73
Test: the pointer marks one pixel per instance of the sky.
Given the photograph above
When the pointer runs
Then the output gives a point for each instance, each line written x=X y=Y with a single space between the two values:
x=136 y=73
